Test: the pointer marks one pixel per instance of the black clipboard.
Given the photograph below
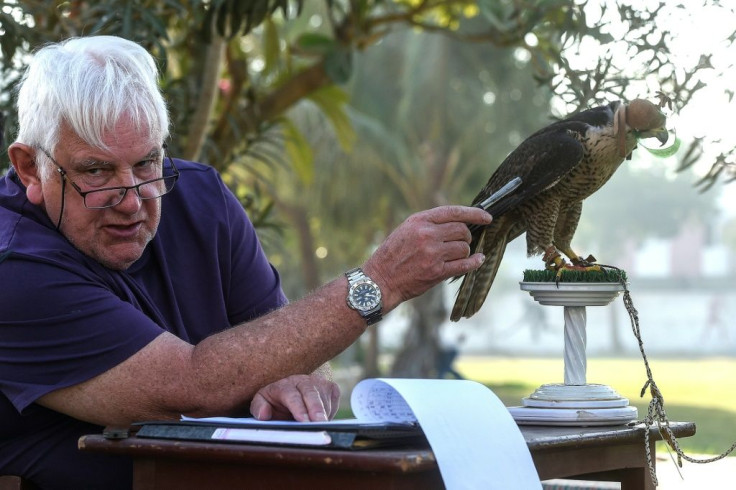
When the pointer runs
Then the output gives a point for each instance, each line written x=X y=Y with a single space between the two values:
x=336 y=434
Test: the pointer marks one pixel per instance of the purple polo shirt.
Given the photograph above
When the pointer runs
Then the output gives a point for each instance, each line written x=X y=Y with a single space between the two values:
x=64 y=318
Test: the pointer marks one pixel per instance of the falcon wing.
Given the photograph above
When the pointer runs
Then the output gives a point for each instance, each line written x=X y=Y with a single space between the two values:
x=541 y=160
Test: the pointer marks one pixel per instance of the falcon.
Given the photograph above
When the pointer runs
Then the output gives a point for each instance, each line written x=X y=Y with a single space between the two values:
x=559 y=166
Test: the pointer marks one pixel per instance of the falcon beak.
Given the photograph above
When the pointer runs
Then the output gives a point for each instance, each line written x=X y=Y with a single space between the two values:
x=660 y=133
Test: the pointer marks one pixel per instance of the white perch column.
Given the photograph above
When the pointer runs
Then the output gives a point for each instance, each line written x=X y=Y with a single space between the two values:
x=575 y=343
x=576 y=402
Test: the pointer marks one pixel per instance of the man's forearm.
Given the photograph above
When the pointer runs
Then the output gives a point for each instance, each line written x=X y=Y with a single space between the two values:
x=296 y=339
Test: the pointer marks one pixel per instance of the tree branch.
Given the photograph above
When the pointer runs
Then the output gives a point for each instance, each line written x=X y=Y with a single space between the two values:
x=249 y=118
x=197 y=131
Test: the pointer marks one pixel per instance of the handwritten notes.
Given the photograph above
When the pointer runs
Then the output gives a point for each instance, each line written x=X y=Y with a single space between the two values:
x=475 y=440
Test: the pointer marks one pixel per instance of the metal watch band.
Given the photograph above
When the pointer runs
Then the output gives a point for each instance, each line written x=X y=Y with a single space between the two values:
x=354 y=274
x=373 y=317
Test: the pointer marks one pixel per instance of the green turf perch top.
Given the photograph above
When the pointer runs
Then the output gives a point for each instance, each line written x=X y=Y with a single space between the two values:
x=571 y=275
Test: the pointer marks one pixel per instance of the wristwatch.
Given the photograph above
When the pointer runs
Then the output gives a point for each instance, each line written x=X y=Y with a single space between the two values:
x=364 y=296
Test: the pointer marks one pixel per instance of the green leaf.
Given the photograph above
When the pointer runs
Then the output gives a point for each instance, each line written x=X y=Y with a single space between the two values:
x=8 y=41
x=299 y=151
x=665 y=152
x=315 y=43
x=331 y=100
x=339 y=65
x=221 y=19
x=236 y=16
x=256 y=15
x=271 y=49
x=206 y=28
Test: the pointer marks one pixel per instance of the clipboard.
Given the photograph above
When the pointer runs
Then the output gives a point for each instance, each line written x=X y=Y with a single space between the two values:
x=339 y=434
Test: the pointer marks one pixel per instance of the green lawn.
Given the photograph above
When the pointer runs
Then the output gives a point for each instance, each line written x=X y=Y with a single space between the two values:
x=694 y=390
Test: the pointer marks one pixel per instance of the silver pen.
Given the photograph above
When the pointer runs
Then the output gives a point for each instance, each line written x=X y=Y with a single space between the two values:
x=508 y=188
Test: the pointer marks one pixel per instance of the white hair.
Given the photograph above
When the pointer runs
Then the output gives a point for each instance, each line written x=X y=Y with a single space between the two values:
x=89 y=84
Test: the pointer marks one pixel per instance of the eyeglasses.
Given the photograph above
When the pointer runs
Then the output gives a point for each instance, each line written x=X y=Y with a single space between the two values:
x=107 y=197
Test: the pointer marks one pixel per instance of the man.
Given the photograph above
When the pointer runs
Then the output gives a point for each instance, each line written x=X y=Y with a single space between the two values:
x=133 y=286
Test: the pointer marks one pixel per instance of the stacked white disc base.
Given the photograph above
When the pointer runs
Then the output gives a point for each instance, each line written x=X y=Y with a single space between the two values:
x=574 y=405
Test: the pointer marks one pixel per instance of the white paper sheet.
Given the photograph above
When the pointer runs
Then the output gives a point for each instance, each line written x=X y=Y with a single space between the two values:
x=475 y=440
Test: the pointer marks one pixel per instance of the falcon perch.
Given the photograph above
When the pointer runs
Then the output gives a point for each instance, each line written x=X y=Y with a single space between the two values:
x=559 y=165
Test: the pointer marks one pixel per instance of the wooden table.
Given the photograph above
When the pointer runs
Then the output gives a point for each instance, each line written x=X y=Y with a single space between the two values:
x=593 y=453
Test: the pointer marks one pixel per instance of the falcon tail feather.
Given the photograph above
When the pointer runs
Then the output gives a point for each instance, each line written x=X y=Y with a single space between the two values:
x=477 y=283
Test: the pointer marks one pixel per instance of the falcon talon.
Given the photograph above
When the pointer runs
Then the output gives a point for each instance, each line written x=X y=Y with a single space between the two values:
x=556 y=263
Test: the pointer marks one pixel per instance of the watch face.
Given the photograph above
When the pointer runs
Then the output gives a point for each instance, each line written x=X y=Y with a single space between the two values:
x=365 y=296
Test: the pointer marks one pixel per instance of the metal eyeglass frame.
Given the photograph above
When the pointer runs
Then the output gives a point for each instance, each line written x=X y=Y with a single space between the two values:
x=125 y=189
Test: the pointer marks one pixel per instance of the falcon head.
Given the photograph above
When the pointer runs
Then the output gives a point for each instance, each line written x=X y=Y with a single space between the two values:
x=643 y=118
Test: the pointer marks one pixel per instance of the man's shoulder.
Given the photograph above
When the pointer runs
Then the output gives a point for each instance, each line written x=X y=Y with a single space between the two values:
x=195 y=169
x=199 y=191
x=27 y=236
x=197 y=179
x=182 y=164
x=25 y=229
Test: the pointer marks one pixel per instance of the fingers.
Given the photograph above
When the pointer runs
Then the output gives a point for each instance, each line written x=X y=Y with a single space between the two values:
x=450 y=223
x=317 y=408
x=454 y=250
x=463 y=266
x=447 y=242
x=452 y=231
x=260 y=408
x=301 y=397
x=334 y=400
x=460 y=214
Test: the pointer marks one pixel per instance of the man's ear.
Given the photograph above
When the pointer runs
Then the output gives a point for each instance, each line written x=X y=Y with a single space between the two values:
x=23 y=158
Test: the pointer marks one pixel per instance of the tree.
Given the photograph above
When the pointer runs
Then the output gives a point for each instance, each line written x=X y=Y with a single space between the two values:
x=239 y=74
x=228 y=82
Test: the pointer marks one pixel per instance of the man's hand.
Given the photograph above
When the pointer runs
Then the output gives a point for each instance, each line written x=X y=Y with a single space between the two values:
x=427 y=248
x=300 y=397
